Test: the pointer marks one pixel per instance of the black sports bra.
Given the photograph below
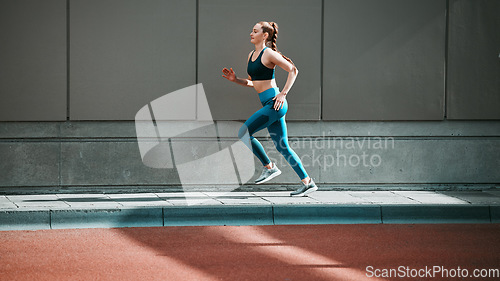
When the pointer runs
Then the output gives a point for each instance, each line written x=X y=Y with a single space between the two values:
x=257 y=70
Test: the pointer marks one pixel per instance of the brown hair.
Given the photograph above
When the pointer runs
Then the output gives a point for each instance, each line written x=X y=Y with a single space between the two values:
x=271 y=28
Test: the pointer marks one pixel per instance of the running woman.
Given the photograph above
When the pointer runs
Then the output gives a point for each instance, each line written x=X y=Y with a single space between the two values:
x=261 y=64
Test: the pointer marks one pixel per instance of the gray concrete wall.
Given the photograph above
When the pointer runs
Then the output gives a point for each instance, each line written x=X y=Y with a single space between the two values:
x=224 y=41
x=125 y=53
x=358 y=59
x=33 y=70
x=104 y=156
x=384 y=60
x=369 y=70
x=474 y=60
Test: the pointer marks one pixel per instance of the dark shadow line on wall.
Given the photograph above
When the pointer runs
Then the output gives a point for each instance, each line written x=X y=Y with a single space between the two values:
x=197 y=38
x=197 y=28
x=322 y=59
x=446 y=35
x=67 y=60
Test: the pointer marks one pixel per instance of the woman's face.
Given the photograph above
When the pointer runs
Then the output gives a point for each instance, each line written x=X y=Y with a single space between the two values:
x=257 y=35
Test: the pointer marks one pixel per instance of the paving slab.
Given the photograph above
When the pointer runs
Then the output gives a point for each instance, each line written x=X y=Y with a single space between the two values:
x=132 y=195
x=143 y=203
x=90 y=201
x=272 y=193
x=96 y=196
x=8 y=206
x=215 y=194
x=38 y=201
x=288 y=200
x=430 y=197
x=187 y=198
x=32 y=198
x=82 y=197
x=337 y=197
x=193 y=201
x=138 y=200
x=242 y=200
x=237 y=198
x=474 y=197
x=493 y=192
x=167 y=195
x=92 y=205
x=382 y=197
x=5 y=203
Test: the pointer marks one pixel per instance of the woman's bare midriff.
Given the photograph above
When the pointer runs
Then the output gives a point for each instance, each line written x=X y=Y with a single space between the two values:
x=262 y=85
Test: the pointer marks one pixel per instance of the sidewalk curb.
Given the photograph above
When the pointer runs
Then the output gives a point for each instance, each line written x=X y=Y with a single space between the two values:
x=246 y=215
x=436 y=214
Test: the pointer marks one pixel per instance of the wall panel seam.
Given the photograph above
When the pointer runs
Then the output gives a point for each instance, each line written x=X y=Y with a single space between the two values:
x=446 y=35
x=67 y=60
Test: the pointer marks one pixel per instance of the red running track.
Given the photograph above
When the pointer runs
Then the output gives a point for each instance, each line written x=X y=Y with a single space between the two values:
x=297 y=252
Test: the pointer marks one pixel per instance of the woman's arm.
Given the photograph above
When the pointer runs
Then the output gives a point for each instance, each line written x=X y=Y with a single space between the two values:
x=231 y=76
x=289 y=67
x=292 y=70
x=292 y=75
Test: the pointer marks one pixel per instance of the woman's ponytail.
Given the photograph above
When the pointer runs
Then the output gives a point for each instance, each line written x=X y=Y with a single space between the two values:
x=271 y=28
x=274 y=36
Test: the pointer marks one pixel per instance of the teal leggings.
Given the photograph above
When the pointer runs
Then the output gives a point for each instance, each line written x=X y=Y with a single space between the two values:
x=274 y=120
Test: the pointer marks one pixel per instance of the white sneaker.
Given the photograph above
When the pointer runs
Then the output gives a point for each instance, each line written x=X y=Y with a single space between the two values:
x=268 y=174
x=305 y=189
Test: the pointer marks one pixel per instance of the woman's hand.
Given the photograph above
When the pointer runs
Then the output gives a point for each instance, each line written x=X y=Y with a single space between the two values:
x=229 y=74
x=279 y=100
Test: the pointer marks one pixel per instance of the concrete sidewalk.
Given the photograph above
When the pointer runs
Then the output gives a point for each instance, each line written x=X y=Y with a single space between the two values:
x=55 y=211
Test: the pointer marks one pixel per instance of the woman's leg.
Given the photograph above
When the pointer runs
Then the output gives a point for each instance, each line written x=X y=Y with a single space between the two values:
x=279 y=135
x=258 y=121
